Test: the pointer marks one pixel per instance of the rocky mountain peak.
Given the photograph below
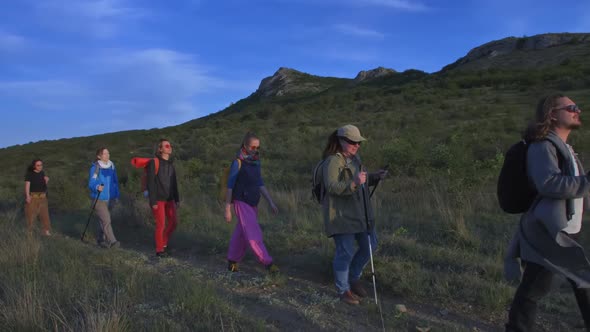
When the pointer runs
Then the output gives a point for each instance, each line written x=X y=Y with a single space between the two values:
x=510 y=45
x=366 y=75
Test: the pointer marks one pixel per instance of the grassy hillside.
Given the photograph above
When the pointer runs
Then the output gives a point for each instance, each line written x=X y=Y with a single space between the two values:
x=57 y=284
x=442 y=236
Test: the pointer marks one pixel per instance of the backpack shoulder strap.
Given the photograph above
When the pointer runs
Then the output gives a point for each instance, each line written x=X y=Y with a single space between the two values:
x=157 y=164
x=96 y=169
x=239 y=163
x=317 y=169
x=561 y=158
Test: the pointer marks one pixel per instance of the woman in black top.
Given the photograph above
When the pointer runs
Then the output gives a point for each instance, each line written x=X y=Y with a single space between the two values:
x=36 y=196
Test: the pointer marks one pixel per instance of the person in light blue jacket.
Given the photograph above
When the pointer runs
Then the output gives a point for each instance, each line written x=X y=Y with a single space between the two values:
x=103 y=183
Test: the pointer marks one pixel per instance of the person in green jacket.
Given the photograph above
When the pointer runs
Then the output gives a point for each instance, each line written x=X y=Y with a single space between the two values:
x=344 y=180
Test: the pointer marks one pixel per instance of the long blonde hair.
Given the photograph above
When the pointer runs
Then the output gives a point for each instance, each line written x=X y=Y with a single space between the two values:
x=539 y=128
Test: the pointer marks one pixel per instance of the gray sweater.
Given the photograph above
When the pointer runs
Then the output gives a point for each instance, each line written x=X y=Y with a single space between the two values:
x=540 y=238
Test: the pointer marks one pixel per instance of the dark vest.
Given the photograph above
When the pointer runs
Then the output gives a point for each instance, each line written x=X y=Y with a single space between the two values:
x=247 y=187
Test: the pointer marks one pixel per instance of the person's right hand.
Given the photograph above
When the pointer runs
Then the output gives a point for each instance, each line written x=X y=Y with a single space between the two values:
x=100 y=188
x=360 y=178
x=228 y=213
x=155 y=207
x=28 y=200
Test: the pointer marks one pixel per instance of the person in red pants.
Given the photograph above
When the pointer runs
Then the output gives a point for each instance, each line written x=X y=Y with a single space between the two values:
x=163 y=195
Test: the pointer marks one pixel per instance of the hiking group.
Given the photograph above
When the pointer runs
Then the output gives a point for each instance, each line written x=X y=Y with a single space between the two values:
x=541 y=178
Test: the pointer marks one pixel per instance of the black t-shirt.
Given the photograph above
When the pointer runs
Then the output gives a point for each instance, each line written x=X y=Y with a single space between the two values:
x=37 y=180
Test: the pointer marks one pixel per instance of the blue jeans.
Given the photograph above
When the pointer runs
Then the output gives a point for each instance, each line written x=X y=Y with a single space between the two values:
x=348 y=265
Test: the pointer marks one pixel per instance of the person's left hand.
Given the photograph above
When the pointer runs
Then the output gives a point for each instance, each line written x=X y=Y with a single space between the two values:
x=46 y=179
x=177 y=205
x=274 y=208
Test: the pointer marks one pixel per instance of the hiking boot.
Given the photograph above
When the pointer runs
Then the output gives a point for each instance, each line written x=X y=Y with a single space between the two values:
x=232 y=266
x=115 y=244
x=348 y=297
x=357 y=288
x=162 y=254
x=272 y=268
x=104 y=245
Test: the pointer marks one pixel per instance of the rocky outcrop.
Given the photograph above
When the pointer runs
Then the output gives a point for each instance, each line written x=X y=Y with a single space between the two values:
x=367 y=75
x=287 y=81
x=510 y=45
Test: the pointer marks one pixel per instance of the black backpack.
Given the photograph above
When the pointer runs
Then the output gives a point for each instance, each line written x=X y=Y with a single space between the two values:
x=515 y=192
x=317 y=183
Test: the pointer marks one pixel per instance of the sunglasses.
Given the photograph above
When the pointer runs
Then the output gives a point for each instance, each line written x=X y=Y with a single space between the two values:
x=570 y=108
x=349 y=142
x=255 y=148
x=38 y=165
x=167 y=146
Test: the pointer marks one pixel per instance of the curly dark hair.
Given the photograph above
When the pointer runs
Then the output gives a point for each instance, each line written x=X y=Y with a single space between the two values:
x=31 y=167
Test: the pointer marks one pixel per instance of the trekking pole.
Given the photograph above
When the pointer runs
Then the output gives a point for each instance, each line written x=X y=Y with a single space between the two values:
x=374 y=188
x=385 y=168
x=369 y=238
x=91 y=213
x=371 y=251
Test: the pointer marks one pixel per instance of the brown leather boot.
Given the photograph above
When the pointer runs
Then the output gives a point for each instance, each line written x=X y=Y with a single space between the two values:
x=357 y=289
x=348 y=297
x=233 y=266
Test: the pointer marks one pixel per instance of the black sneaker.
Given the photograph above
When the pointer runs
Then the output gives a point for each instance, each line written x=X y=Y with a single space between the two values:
x=233 y=266
x=162 y=254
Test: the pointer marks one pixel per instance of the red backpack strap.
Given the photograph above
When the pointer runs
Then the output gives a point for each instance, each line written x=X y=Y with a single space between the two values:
x=157 y=164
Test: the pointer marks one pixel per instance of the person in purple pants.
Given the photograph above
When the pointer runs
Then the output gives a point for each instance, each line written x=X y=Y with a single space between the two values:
x=244 y=188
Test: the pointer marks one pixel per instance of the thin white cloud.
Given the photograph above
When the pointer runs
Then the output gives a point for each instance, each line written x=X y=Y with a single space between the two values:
x=100 y=18
x=92 y=9
x=341 y=53
x=11 y=42
x=161 y=74
x=140 y=88
x=53 y=95
x=406 y=5
x=353 y=30
x=105 y=9
x=402 y=5
x=41 y=89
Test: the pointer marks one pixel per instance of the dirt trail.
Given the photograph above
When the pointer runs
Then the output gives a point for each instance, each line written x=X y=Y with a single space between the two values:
x=292 y=301
x=302 y=299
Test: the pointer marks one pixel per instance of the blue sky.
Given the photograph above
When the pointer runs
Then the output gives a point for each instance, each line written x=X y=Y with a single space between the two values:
x=83 y=67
